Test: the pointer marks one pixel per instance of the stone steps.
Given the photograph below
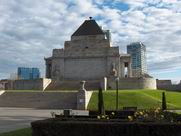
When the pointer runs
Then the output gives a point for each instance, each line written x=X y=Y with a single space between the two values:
x=73 y=85
x=44 y=100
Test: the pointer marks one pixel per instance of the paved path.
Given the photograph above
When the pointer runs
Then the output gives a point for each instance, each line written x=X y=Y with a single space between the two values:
x=16 y=118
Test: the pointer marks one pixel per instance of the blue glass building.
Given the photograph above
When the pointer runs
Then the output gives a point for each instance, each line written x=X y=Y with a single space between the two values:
x=28 y=73
x=137 y=50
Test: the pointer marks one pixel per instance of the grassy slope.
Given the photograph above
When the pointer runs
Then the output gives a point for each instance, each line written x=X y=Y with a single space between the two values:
x=20 y=132
x=173 y=98
x=143 y=99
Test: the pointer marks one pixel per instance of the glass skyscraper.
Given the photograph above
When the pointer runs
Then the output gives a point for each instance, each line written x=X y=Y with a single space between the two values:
x=137 y=50
x=28 y=73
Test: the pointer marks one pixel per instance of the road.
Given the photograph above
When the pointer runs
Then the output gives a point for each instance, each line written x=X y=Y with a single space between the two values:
x=17 y=118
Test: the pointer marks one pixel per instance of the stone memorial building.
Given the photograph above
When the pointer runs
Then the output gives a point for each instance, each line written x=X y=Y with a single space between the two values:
x=90 y=56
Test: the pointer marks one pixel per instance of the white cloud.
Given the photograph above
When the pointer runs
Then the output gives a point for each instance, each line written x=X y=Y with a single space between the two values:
x=30 y=29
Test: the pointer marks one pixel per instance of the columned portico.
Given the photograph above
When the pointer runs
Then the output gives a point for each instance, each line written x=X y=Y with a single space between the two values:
x=125 y=62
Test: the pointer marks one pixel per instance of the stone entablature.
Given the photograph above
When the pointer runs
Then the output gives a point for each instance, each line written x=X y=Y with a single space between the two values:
x=86 y=52
x=90 y=41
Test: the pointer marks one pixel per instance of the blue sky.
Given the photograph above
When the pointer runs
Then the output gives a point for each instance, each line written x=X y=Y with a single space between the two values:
x=30 y=29
x=175 y=75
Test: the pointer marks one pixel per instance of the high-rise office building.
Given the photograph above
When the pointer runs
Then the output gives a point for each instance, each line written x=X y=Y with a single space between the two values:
x=28 y=73
x=137 y=50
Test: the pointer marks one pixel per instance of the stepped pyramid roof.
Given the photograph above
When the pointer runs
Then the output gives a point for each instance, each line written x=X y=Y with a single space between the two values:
x=89 y=27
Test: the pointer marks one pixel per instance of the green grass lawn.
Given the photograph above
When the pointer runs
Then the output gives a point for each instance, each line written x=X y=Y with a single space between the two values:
x=142 y=99
x=19 y=132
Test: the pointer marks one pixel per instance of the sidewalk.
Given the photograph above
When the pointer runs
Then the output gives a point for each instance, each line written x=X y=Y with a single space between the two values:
x=17 y=118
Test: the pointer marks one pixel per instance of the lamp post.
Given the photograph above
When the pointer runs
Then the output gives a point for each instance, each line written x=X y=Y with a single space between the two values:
x=117 y=87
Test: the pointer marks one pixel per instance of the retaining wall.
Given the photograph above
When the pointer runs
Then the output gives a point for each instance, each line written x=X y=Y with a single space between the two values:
x=42 y=100
x=45 y=100
x=133 y=83
x=170 y=87
x=30 y=84
x=167 y=85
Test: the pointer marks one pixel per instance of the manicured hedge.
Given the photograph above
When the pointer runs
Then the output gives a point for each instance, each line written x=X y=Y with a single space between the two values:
x=95 y=127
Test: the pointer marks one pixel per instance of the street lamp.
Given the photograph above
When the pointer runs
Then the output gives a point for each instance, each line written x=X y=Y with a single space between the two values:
x=117 y=87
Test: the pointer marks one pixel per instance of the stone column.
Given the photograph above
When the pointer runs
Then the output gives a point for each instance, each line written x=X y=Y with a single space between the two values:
x=123 y=69
x=129 y=70
x=47 y=71
x=103 y=84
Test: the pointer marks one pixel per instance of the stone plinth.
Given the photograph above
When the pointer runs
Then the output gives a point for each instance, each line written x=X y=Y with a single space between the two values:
x=83 y=97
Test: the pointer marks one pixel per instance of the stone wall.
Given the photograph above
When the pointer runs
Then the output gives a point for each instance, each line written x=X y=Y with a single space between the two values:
x=54 y=100
x=133 y=83
x=163 y=82
x=170 y=87
x=37 y=99
x=167 y=85
x=90 y=41
x=73 y=85
x=86 y=52
x=32 y=84
x=84 y=69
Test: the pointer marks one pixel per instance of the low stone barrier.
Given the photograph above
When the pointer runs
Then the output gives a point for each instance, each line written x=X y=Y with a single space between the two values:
x=95 y=127
x=170 y=87
x=28 y=84
x=133 y=83
x=42 y=100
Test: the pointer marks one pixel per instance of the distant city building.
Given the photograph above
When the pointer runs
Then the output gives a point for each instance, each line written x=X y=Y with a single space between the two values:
x=137 y=50
x=28 y=73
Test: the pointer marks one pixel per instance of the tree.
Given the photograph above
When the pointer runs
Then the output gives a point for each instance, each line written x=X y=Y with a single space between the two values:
x=100 y=102
x=164 y=103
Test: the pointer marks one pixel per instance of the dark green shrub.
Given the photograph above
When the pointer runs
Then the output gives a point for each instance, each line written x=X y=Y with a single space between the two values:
x=54 y=127
x=100 y=102
x=164 y=103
